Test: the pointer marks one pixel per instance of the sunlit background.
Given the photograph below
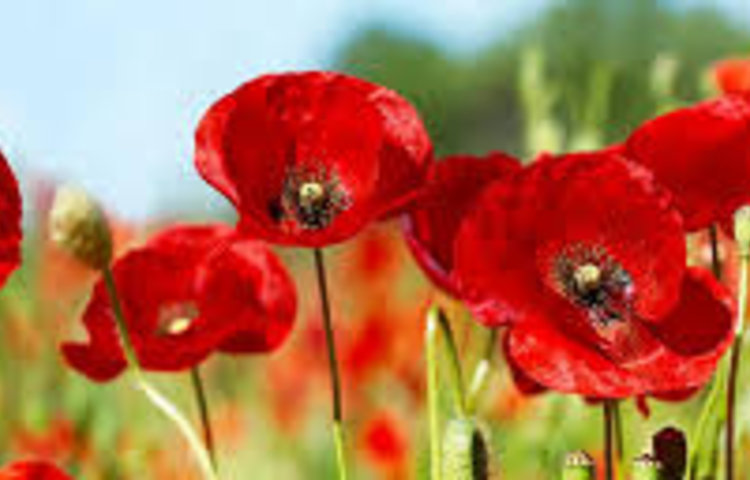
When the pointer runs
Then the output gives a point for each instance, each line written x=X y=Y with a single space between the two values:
x=107 y=94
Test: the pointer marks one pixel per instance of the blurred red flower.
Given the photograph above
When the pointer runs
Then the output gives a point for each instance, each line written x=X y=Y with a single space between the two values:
x=309 y=158
x=432 y=222
x=385 y=443
x=586 y=256
x=702 y=154
x=189 y=291
x=732 y=75
x=32 y=470
x=10 y=221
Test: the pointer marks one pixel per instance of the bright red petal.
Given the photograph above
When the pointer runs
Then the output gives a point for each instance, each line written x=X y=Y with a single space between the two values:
x=432 y=222
x=10 y=221
x=507 y=247
x=702 y=154
x=364 y=140
x=32 y=470
x=247 y=283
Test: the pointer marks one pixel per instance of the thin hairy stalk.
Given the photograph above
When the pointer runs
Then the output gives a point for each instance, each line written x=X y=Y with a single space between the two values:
x=336 y=404
x=433 y=390
x=608 y=419
x=202 y=401
x=482 y=372
x=156 y=398
x=459 y=391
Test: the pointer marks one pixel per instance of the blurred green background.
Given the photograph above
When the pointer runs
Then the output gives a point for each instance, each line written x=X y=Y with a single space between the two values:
x=574 y=75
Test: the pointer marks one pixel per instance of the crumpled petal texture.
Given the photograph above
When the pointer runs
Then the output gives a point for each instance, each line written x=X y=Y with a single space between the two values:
x=508 y=243
x=367 y=138
x=702 y=154
x=689 y=344
x=10 y=221
x=432 y=222
x=172 y=279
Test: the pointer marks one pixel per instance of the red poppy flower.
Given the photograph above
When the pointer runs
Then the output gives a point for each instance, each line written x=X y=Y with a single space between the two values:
x=32 y=470
x=587 y=256
x=702 y=154
x=733 y=75
x=10 y=221
x=187 y=292
x=386 y=443
x=310 y=158
x=433 y=220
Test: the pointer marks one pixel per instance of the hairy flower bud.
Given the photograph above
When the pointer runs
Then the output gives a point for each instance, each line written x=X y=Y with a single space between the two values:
x=647 y=467
x=465 y=451
x=578 y=466
x=742 y=229
x=78 y=225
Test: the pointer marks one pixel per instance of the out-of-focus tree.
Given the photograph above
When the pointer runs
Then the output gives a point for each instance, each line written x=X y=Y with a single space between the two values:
x=471 y=103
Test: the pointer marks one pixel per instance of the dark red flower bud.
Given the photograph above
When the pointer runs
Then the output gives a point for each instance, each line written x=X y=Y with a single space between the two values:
x=670 y=448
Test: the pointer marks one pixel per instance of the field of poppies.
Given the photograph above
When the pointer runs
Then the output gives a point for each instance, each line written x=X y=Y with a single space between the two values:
x=381 y=304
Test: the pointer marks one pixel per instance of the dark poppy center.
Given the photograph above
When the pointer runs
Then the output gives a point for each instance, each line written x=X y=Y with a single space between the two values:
x=311 y=198
x=594 y=281
x=175 y=318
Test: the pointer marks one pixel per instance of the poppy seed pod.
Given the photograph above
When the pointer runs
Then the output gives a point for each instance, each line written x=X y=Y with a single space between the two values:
x=742 y=229
x=78 y=225
x=465 y=451
x=647 y=467
x=579 y=465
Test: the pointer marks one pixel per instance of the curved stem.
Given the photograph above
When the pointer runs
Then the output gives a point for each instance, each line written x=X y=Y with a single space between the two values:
x=337 y=410
x=202 y=401
x=156 y=398
x=482 y=372
x=431 y=338
x=734 y=363
x=459 y=392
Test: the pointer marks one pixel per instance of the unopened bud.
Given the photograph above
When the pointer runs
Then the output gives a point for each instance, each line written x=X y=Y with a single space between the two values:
x=647 y=467
x=579 y=466
x=670 y=448
x=742 y=229
x=78 y=225
x=465 y=452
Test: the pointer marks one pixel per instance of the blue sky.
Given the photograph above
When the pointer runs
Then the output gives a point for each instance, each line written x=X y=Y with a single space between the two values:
x=106 y=93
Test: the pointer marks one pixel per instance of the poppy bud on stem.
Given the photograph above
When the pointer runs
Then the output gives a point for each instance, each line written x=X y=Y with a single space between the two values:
x=742 y=235
x=647 y=467
x=78 y=224
x=465 y=451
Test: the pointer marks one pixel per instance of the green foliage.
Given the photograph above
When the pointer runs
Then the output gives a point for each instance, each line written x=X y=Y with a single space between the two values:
x=592 y=49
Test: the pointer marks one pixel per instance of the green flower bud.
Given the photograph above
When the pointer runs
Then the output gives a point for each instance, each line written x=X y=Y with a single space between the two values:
x=579 y=466
x=742 y=229
x=465 y=451
x=647 y=467
x=78 y=225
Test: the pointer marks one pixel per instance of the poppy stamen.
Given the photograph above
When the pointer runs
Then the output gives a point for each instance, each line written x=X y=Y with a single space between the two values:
x=593 y=280
x=312 y=198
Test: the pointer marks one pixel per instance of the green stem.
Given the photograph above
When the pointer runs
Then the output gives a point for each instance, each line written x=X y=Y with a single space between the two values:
x=202 y=401
x=459 y=393
x=433 y=400
x=338 y=433
x=481 y=372
x=734 y=364
x=608 y=440
x=619 y=439
x=156 y=398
